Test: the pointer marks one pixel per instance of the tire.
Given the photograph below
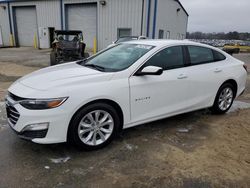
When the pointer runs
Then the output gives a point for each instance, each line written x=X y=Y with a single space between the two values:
x=227 y=94
x=52 y=58
x=81 y=122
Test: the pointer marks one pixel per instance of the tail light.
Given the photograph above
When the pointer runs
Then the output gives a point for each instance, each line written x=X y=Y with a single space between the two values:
x=245 y=67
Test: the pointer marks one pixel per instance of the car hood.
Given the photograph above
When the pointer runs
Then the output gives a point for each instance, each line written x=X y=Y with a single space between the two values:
x=63 y=75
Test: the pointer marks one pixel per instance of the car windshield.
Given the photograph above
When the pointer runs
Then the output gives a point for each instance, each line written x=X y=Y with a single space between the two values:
x=117 y=58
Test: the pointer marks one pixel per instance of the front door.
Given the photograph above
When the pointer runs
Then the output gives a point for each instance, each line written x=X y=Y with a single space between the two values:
x=158 y=95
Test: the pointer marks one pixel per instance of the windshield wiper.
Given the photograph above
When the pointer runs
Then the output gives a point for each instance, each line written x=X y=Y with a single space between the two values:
x=82 y=61
x=97 y=67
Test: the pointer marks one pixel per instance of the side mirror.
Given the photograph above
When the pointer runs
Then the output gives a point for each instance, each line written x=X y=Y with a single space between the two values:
x=150 y=70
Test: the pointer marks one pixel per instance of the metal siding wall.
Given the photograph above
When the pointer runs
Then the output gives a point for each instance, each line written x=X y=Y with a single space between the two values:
x=48 y=12
x=4 y=24
x=118 y=14
x=115 y=14
x=169 y=20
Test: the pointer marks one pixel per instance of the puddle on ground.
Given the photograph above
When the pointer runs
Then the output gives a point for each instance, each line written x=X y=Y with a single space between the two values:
x=239 y=105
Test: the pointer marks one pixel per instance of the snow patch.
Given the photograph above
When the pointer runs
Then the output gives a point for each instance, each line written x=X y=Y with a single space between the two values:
x=183 y=130
x=131 y=147
x=47 y=167
x=60 y=160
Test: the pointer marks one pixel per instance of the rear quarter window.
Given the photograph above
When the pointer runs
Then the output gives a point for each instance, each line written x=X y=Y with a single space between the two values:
x=218 y=56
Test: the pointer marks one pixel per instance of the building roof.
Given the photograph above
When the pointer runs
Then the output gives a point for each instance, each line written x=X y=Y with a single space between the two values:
x=182 y=7
x=4 y=1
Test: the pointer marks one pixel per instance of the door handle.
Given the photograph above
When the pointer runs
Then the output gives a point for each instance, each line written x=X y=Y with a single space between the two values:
x=182 y=76
x=217 y=70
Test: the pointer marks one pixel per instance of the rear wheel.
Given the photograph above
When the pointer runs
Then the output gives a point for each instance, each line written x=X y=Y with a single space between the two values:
x=224 y=99
x=94 y=126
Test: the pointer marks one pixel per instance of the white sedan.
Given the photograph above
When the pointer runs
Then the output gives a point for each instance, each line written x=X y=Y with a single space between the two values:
x=88 y=102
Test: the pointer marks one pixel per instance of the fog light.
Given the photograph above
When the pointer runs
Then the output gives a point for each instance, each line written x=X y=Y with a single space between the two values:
x=36 y=127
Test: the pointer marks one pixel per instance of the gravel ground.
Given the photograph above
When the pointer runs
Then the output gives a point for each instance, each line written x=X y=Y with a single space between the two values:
x=191 y=150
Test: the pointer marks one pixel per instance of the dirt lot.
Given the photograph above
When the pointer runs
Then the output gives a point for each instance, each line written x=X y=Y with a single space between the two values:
x=192 y=150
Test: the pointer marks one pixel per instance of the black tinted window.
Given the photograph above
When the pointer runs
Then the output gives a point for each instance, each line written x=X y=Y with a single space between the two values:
x=218 y=56
x=200 y=55
x=168 y=58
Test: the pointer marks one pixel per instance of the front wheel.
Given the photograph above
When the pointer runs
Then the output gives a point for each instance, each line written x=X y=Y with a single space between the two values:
x=94 y=126
x=224 y=99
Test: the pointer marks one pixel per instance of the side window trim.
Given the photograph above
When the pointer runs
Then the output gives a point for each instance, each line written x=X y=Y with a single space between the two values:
x=186 y=56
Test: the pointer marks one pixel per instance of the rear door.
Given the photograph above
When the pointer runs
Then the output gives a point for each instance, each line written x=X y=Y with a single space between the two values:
x=152 y=96
x=205 y=74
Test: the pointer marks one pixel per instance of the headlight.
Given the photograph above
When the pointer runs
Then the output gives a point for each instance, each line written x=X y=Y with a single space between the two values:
x=42 y=104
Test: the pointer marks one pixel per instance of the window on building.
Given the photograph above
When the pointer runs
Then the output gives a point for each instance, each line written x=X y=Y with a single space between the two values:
x=123 y=32
x=161 y=34
x=168 y=58
x=200 y=55
x=168 y=35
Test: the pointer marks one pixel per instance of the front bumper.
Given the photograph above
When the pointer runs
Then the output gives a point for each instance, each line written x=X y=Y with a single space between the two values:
x=19 y=118
x=29 y=135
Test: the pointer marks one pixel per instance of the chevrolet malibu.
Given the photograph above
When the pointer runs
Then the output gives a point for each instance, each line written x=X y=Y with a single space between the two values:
x=89 y=101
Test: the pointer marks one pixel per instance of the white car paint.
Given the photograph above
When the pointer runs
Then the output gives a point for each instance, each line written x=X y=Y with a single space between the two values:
x=141 y=98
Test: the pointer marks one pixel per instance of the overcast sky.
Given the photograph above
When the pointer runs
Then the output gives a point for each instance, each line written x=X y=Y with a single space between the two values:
x=218 y=15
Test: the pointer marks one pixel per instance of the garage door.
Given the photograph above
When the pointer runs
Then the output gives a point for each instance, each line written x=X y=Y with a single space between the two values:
x=26 y=25
x=83 y=17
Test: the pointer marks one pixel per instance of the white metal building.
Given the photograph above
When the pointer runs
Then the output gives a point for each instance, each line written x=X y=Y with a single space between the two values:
x=25 y=22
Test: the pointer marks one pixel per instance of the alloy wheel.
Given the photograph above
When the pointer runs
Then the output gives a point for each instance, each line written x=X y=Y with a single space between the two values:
x=226 y=98
x=95 y=127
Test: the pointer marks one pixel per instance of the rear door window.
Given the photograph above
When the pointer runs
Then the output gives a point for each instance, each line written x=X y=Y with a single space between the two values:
x=200 y=55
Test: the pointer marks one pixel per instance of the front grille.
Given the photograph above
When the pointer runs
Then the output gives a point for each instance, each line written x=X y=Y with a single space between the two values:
x=12 y=114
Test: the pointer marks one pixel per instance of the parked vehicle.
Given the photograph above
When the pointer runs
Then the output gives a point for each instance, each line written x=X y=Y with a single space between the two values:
x=89 y=101
x=231 y=49
x=126 y=39
x=67 y=46
x=236 y=48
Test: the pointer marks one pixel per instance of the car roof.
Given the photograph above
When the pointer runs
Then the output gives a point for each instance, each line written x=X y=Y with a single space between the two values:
x=166 y=42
